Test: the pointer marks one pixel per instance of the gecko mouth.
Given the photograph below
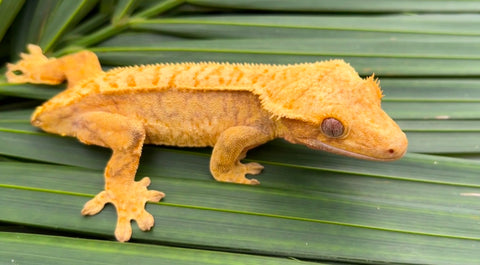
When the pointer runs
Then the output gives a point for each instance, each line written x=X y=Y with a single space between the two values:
x=318 y=145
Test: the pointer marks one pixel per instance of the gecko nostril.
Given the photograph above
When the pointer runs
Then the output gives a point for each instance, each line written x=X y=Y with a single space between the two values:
x=36 y=122
x=391 y=151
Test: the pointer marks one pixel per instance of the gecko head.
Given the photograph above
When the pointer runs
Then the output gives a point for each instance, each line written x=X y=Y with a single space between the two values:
x=52 y=120
x=41 y=118
x=345 y=117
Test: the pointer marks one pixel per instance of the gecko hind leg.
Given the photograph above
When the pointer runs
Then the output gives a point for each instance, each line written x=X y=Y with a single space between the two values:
x=34 y=67
x=125 y=137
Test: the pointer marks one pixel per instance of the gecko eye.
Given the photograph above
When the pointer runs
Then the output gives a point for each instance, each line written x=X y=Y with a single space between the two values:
x=332 y=127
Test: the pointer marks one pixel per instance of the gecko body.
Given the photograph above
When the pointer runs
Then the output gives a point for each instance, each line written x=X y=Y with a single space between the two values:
x=232 y=107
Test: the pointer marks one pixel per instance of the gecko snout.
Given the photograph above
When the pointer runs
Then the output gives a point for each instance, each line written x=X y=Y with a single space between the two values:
x=397 y=148
x=35 y=120
x=395 y=153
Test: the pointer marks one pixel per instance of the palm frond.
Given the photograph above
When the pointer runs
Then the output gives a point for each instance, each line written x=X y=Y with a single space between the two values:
x=315 y=206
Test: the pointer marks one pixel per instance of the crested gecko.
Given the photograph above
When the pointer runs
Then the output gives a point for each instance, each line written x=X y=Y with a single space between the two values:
x=232 y=107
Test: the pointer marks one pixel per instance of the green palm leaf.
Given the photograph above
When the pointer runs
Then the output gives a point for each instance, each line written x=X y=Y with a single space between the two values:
x=423 y=209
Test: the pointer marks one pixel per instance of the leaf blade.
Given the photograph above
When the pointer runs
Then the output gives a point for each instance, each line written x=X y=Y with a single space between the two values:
x=81 y=251
x=367 y=6
x=263 y=228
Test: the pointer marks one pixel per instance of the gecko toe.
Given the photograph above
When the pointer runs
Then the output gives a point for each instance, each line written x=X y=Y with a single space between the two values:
x=34 y=49
x=145 y=181
x=253 y=168
x=145 y=221
x=254 y=182
x=154 y=196
x=123 y=230
x=96 y=204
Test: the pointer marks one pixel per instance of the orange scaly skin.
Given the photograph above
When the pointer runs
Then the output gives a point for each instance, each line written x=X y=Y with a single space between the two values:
x=232 y=107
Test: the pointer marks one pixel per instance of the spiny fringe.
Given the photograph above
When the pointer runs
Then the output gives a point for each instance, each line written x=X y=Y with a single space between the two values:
x=221 y=64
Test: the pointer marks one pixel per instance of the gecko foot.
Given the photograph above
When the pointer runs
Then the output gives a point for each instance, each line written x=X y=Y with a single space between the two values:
x=237 y=174
x=23 y=70
x=129 y=200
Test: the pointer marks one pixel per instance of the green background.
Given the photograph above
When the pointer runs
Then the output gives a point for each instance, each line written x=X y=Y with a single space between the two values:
x=312 y=207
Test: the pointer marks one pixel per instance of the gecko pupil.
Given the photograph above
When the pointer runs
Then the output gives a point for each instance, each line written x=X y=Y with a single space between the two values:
x=332 y=127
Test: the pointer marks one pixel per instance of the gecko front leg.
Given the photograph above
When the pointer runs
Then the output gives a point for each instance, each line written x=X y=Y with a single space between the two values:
x=231 y=147
x=125 y=137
